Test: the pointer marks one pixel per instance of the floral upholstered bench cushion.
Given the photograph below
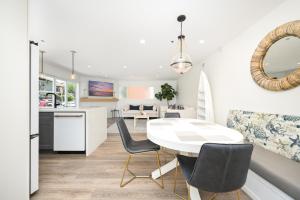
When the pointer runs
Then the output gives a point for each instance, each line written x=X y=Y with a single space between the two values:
x=277 y=133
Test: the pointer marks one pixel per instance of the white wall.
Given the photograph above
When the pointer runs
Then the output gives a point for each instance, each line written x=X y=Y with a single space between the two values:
x=53 y=70
x=58 y=72
x=14 y=101
x=228 y=71
x=155 y=83
x=84 y=92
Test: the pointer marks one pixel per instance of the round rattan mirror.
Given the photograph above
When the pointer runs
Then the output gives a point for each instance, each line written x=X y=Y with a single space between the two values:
x=275 y=64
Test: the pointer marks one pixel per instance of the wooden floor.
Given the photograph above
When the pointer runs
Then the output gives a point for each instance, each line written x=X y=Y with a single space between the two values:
x=76 y=177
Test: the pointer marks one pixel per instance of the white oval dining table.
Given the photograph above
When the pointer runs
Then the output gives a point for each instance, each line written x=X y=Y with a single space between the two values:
x=187 y=136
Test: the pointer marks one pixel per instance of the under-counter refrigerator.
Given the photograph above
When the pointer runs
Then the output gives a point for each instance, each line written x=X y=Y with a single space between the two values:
x=34 y=117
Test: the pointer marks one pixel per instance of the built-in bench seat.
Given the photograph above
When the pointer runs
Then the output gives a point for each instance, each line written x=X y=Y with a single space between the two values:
x=276 y=154
x=278 y=170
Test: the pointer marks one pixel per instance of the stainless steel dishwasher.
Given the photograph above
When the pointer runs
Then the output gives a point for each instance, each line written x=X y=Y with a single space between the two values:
x=69 y=131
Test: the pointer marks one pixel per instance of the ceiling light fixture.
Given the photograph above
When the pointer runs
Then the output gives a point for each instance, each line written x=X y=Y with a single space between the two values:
x=125 y=67
x=142 y=41
x=42 y=75
x=201 y=41
x=160 y=67
x=181 y=63
x=73 y=75
x=89 y=66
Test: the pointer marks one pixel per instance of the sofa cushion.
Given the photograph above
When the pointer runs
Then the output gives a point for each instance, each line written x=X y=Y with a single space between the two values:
x=278 y=170
x=277 y=133
x=133 y=107
x=147 y=107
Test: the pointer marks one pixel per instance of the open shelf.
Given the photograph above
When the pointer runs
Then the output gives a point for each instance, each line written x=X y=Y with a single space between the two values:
x=99 y=99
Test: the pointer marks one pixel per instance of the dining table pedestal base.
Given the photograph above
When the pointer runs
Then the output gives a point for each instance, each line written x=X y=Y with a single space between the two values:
x=165 y=169
x=194 y=193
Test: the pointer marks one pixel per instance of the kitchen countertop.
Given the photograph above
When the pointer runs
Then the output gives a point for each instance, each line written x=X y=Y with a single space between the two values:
x=80 y=109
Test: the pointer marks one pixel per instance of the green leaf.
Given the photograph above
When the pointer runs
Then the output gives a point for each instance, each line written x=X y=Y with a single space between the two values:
x=167 y=92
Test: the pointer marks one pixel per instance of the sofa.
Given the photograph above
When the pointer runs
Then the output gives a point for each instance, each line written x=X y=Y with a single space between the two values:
x=130 y=110
x=276 y=155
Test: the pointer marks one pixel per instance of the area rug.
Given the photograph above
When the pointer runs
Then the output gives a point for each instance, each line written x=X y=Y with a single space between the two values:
x=141 y=126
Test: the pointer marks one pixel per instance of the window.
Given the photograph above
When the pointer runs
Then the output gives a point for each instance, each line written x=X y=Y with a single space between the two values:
x=71 y=94
x=66 y=91
x=46 y=85
x=60 y=91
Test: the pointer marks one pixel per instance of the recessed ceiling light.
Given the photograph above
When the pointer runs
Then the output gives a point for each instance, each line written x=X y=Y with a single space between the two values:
x=125 y=67
x=142 y=41
x=201 y=41
x=89 y=66
x=160 y=66
x=298 y=63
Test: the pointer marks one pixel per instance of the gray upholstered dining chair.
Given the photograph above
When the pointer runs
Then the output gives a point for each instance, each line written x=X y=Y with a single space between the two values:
x=219 y=168
x=172 y=115
x=135 y=147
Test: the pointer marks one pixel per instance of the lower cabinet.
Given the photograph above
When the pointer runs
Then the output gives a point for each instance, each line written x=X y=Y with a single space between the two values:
x=46 y=125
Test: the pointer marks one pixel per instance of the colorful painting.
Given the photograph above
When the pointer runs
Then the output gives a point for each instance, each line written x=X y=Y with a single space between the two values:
x=274 y=132
x=101 y=89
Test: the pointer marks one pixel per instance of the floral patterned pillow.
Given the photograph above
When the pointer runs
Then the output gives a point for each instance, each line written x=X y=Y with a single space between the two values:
x=277 y=133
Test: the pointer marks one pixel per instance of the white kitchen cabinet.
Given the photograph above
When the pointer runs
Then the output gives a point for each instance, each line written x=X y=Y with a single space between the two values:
x=69 y=131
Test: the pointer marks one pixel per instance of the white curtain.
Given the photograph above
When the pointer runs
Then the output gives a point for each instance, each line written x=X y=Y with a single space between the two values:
x=204 y=104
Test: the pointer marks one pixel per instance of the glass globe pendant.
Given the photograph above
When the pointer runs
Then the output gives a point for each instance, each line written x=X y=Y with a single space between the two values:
x=181 y=62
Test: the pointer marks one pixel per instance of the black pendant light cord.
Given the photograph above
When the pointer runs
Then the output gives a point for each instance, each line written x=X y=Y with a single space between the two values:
x=72 y=62
x=42 y=70
x=181 y=40
x=73 y=53
x=42 y=59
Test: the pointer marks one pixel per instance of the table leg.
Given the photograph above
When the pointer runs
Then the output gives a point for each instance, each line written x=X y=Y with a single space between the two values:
x=165 y=169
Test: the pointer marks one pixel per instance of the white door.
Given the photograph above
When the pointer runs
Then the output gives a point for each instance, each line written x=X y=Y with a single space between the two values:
x=69 y=132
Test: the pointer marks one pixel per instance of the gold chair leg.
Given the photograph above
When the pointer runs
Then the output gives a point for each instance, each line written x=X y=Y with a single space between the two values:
x=175 y=182
x=161 y=185
x=238 y=195
x=189 y=192
x=126 y=168
x=175 y=177
x=213 y=196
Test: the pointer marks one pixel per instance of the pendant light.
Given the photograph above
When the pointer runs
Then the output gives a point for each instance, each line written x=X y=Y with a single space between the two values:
x=42 y=75
x=181 y=63
x=73 y=75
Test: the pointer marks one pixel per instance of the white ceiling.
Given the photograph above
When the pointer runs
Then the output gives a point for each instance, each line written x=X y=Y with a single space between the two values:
x=107 y=33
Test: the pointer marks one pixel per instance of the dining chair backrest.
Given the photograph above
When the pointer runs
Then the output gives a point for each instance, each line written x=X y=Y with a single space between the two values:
x=221 y=167
x=124 y=133
x=172 y=115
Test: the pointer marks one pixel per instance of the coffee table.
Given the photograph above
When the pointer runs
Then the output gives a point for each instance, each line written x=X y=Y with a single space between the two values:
x=139 y=116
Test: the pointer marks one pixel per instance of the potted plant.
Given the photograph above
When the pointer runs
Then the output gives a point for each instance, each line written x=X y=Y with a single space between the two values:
x=167 y=92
